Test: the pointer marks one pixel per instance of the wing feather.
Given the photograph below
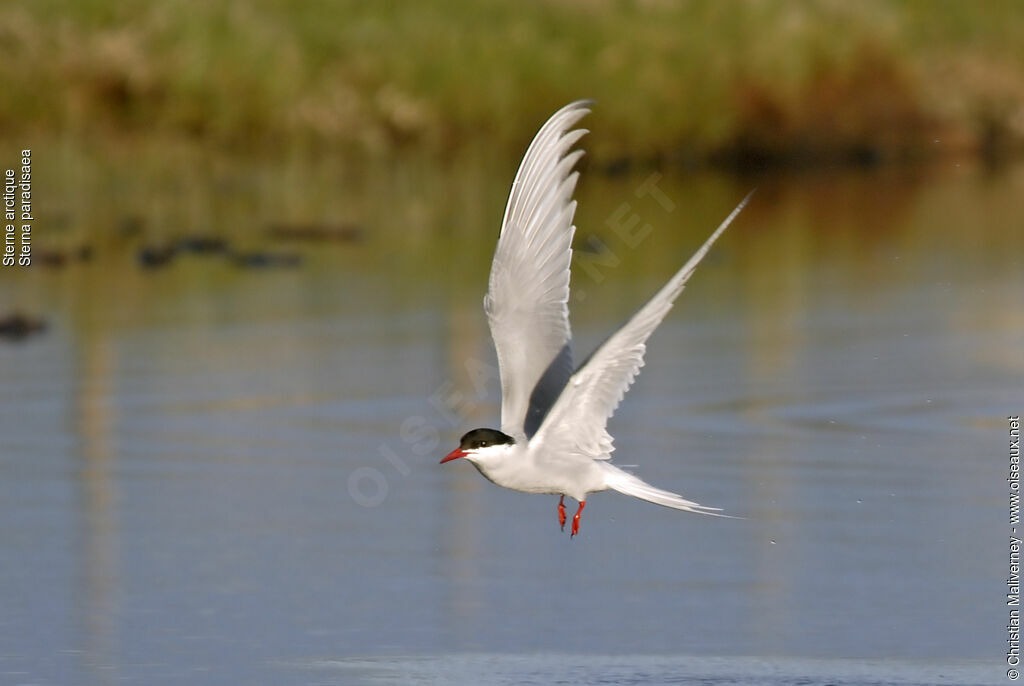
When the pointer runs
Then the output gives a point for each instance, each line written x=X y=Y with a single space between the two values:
x=576 y=424
x=528 y=290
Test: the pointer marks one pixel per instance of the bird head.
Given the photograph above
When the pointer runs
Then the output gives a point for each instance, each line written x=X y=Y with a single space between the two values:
x=480 y=444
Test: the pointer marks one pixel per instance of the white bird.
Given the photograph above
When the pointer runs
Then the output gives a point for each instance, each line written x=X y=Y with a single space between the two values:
x=553 y=436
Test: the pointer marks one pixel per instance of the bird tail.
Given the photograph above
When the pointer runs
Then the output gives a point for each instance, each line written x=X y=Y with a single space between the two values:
x=626 y=483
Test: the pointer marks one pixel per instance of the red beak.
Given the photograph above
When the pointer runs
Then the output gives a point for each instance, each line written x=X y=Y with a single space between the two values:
x=454 y=455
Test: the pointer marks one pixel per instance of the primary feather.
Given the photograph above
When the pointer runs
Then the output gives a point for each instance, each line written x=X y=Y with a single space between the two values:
x=528 y=290
x=577 y=422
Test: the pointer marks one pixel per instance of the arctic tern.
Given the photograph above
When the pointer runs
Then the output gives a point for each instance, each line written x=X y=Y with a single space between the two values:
x=553 y=436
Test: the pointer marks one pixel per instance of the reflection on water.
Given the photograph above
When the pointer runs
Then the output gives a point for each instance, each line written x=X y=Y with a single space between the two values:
x=220 y=476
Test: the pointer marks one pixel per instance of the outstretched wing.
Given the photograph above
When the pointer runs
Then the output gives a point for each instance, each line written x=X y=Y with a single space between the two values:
x=577 y=422
x=528 y=292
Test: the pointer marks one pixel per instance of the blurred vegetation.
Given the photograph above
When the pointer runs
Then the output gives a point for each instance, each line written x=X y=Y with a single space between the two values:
x=728 y=82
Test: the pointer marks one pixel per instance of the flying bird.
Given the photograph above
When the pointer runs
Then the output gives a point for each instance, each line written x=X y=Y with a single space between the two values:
x=553 y=436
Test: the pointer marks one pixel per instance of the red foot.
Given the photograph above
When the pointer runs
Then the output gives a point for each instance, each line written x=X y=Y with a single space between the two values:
x=561 y=512
x=576 y=519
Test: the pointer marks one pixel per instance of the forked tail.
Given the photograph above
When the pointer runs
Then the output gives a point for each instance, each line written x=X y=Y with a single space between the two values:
x=624 y=482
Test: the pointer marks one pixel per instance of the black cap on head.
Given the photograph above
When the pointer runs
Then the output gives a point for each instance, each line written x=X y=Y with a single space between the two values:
x=481 y=438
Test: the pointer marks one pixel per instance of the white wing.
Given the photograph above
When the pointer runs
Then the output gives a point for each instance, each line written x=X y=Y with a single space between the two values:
x=576 y=424
x=528 y=292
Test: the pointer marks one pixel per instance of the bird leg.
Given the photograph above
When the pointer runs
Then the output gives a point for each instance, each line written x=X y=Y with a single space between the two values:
x=561 y=512
x=576 y=519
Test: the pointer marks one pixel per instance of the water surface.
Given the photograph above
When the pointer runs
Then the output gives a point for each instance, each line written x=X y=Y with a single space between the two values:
x=219 y=475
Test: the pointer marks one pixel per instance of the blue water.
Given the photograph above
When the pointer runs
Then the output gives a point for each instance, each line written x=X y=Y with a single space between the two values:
x=218 y=477
x=544 y=668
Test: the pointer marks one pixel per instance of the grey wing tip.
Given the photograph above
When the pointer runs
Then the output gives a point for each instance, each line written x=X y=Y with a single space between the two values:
x=746 y=198
x=583 y=105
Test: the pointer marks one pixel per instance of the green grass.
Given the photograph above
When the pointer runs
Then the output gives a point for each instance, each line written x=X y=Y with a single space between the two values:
x=699 y=80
